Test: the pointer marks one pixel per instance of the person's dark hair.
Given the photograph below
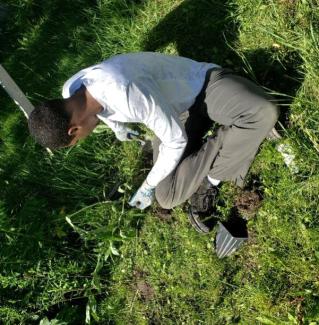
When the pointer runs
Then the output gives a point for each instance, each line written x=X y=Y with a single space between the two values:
x=49 y=122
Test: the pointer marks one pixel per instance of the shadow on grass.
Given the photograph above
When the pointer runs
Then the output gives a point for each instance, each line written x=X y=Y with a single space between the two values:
x=43 y=35
x=283 y=79
x=36 y=192
x=204 y=31
x=198 y=29
x=56 y=21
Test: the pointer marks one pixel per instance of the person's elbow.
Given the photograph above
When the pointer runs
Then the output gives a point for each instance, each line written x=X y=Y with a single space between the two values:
x=179 y=143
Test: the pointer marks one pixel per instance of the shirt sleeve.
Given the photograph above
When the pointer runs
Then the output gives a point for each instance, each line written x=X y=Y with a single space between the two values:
x=116 y=127
x=147 y=104
x=72 y=84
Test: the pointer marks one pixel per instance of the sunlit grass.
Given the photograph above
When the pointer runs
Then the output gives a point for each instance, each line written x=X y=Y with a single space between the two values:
x=69 y=253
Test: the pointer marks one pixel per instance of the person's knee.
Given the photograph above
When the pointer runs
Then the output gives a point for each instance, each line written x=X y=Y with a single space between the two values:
x=268 y=115
x=164 y=200
x=273 y=112
x=166 y=205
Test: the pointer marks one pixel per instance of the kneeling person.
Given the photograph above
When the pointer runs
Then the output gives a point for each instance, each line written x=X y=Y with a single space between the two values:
x=178 y=99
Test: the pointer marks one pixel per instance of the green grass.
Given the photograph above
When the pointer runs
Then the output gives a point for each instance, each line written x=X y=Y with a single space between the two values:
x=69 y=254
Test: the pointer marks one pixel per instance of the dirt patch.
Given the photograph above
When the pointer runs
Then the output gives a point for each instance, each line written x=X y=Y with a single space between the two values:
x=145 y=290
x=247 y=203
x=163 y=214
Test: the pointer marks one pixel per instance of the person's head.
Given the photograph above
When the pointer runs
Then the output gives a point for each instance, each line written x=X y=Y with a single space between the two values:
x=61 y=123
x=49 y=124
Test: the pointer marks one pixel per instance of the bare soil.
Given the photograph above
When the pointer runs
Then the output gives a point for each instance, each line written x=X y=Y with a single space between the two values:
x=247 y=203
x=144 y=289
x=163 y=214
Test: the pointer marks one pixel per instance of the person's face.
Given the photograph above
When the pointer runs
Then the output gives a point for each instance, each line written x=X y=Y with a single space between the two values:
x=82 y=130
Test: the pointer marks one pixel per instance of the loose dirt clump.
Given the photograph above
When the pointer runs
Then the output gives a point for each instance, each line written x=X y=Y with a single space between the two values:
x=247 y=203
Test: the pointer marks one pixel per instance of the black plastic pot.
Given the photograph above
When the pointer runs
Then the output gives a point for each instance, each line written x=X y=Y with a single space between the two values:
x=230 y=236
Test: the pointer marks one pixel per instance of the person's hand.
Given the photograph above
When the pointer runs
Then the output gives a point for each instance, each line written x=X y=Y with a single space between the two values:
x=143 y=197
x=126 y=134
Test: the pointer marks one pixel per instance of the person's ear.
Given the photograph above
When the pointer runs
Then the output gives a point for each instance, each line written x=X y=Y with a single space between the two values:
x=74 y=130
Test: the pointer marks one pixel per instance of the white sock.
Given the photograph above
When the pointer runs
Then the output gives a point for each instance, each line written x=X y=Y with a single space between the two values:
x=213 y=181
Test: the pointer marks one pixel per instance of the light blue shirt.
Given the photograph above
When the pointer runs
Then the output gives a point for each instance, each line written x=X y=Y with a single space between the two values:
x=149 y=88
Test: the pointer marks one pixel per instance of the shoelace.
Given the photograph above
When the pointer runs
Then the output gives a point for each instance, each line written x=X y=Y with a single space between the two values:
x=208 y=199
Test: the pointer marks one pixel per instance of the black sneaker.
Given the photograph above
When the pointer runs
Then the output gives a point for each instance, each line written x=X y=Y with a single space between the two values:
x=201 y=212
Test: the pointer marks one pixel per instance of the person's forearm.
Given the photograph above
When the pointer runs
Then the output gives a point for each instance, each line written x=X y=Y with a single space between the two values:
x=166 y=162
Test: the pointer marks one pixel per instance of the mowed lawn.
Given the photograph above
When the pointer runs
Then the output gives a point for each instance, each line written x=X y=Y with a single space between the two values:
x=71 y=254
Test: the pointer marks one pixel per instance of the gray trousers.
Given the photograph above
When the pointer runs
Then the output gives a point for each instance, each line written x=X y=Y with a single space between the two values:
x=245 y=114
